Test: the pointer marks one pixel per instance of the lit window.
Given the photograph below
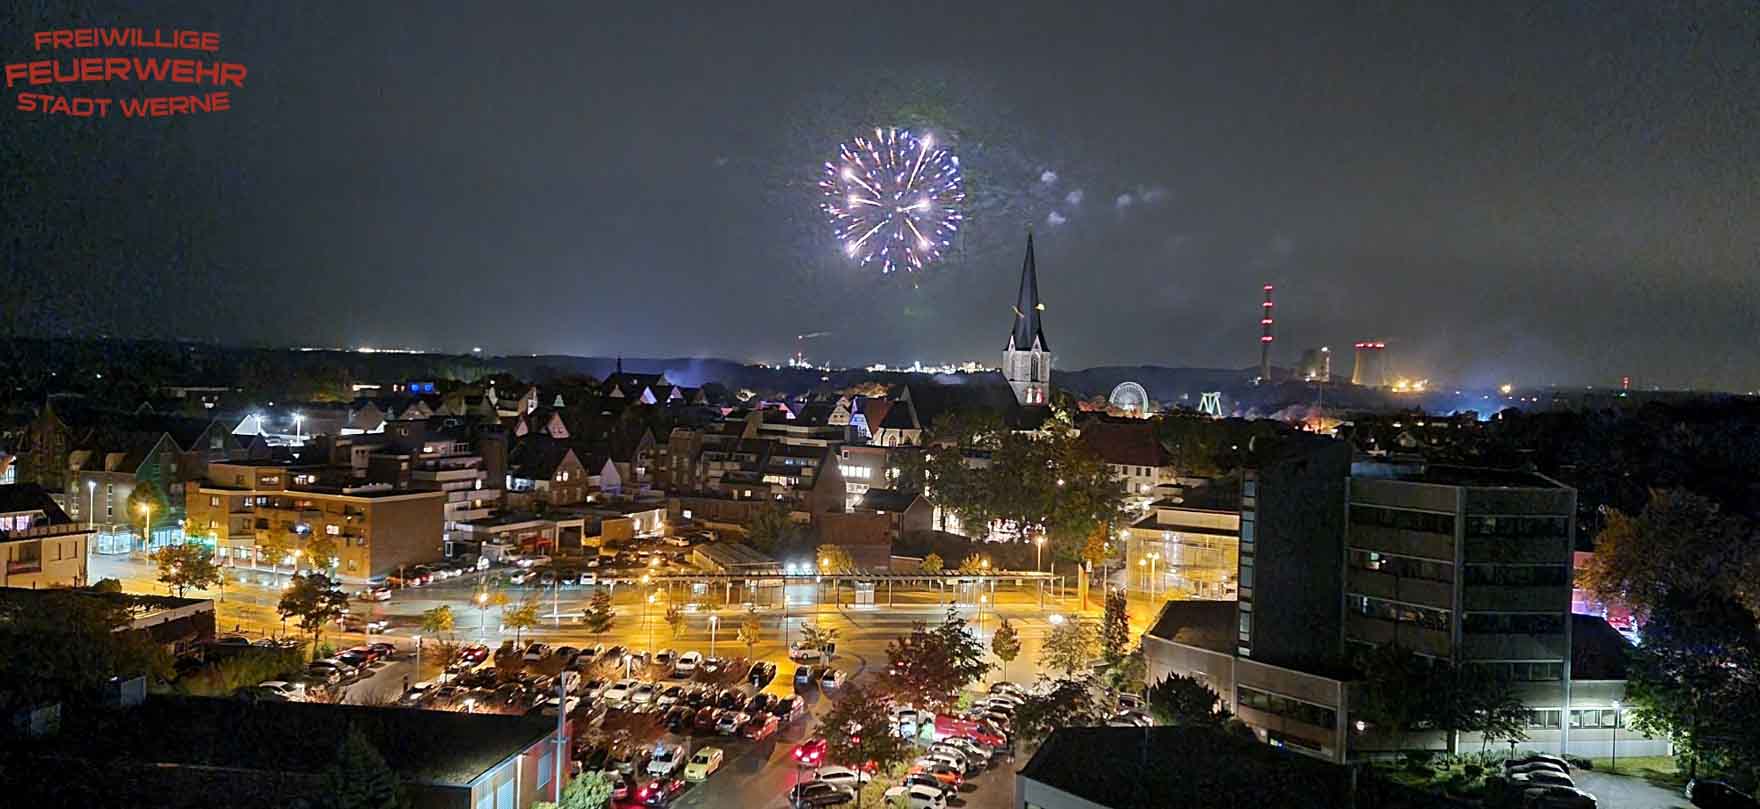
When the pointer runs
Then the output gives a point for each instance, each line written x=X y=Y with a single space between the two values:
x=332 y=530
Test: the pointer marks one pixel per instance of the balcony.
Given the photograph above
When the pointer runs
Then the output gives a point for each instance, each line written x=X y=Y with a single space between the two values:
x=443 y=475
x=14 y=568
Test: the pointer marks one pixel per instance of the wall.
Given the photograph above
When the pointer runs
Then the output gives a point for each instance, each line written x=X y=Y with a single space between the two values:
x=1299 y=572
x=406 y=530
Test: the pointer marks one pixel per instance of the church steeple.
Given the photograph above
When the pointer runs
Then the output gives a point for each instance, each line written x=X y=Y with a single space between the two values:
x=1026 y=361
x=1027 y=328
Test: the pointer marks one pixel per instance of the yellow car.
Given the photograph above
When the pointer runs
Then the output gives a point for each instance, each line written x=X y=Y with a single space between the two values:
x=706 y=761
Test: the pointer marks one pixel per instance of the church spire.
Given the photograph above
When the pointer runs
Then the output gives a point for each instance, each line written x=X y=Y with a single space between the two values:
x=1027 y=308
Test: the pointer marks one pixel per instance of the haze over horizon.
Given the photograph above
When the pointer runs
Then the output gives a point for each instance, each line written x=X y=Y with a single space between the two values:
x=1556 y=194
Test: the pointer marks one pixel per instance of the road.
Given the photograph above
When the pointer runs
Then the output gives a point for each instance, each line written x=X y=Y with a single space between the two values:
x=755 y=773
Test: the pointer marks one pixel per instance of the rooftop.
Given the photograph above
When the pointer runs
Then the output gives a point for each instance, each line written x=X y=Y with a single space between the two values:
x=432 y=747
x=1187 y=767
x=1478 y=478
x=1204 y=624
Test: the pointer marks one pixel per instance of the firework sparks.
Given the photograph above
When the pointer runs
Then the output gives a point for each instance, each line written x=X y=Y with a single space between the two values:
x=894 y=199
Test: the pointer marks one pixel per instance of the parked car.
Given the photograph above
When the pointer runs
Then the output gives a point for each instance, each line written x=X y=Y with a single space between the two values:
x=324 y=675
x=379 y=593
x=788 y=709
x=804 y=654
x=761 y=727
x=705 y=719
x=363 y=624
x=947 y=774
x=471 y=655
x=385 y=650
x=666 y=761
x=703 y=764
x=1555 y=797
x=419 y=695
x=665 y=657
x=761 y=674
x=1536 y=766
x=289 y=691
x=342 y=668
x=619 y=691
x=915 y=796
x=373 y=653
x=759 y=703
x=536 y=651
x=1718 y=795
x=971 y=749
x=642 y=694
x=832 y=678
x=818 y=793
x=687 y=664
x=731 y=721
x=805 y=677
x=729 y=699
x=842 y=777
x=924 y=780
x=1530 y=758
x=677 y=719
x=670 y=696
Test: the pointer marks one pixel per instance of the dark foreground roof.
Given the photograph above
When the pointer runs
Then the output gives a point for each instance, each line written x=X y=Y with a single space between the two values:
x=1185 y=767
x=31 y=497
x=1204 y=624
x=425 y=747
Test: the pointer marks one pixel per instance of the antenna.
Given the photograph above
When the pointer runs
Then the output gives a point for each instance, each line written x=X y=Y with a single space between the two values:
x=1265 y=338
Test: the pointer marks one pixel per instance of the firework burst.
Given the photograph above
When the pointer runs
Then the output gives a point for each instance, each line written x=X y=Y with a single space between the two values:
x=894 y=199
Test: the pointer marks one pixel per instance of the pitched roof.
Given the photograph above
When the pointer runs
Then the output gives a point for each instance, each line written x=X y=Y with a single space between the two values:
x=887 y=500
x=1188 y=767
x=535 y=456
x=1027 y=308
x=31 y=497
x=1131 y=443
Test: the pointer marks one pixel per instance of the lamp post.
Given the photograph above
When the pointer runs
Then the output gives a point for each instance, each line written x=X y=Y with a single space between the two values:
x=418 y=658
x=1615 y=766
x=1154 y=582
x=91 y=503
x=482 y=614
x=649 y=624
x=1039 y=554
x=297 y=419
x=714 y=621
x=146 y=510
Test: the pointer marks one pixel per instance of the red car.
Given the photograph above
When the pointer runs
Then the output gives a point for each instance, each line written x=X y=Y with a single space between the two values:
x=811 y=753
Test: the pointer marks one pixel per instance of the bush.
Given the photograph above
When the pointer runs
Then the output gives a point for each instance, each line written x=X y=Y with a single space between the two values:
x=1420 y=758
x=1579 y=762
x=1473 y=770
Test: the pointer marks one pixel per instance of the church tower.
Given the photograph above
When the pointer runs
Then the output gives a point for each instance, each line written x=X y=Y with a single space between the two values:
x=1026 y=362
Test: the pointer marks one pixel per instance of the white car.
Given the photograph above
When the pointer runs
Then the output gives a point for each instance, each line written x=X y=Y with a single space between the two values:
x=841 y=776
x=642 y=694
x=666 y=761
x=666 y=656
x=687 y=664
x=948 y=757
x=971 y=749
x=916 y=796
x=568 y=708
x=284 y=689
x=619 y=691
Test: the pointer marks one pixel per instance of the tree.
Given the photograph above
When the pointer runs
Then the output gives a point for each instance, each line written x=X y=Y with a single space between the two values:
x=932 y=564
x=675 y=619
x=62 y=645
x=858 y=731
x=359 y=778
x=1128 y=675
x=1398 y=690
x=186 y=566
x=815 y=637
x=107 y=586
x=589 y=790
x=1006 y=643
x=1693 y=681
x=1680 y=542
x=931 y=665
x=773 y=531
x=751 y=629
x=835 y=559
x=147 y=507
x=598 y=616
x=1066 y=702
x=438 y=621
x=521 y=618
x=321 y=551
x=1115 y=628
x=974 y=564
x=1070 y=647
x=275 y=545
x=1182 y=700
x=316 y=604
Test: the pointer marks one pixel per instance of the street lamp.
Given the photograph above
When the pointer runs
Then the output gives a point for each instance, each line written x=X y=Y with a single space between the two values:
x=714 y=621
x=297 y=419
x=91 y=503
x=649 y=624
x=1039 y=553
x=1154 y=583
x=146 y=510
x=482 y=614
x=418 y=658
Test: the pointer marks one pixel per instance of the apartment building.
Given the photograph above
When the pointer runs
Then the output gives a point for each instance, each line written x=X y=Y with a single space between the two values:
x=374 y=528
x=40 y=545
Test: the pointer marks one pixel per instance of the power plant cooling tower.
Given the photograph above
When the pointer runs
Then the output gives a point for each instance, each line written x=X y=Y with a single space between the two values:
x=1371 y=369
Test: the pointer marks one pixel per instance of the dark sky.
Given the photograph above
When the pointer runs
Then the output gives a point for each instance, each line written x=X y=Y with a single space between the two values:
x=1550 y=192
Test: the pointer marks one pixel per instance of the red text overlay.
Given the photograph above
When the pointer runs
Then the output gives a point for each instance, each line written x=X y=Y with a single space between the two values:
x=131 y=57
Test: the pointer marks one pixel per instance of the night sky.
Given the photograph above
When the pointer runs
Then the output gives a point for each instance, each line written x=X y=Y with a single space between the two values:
x=1549 y=192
